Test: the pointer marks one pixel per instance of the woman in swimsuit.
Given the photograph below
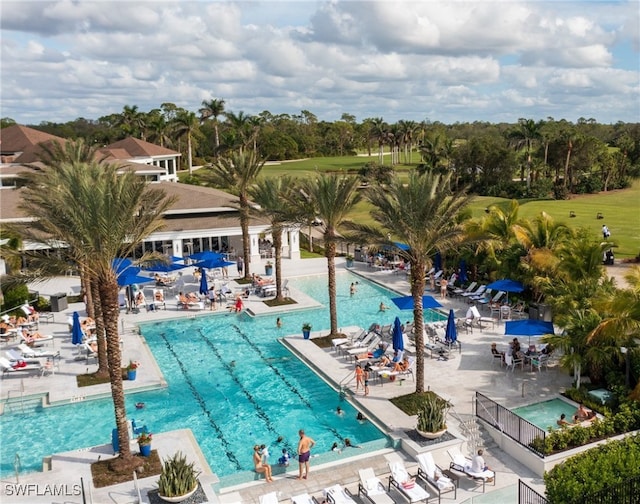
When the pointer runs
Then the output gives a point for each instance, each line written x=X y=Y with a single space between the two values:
x=260 y=467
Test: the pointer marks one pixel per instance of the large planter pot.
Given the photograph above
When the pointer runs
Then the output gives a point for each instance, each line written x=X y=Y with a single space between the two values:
x=349 y=263
x=268 y=270
x=145 y=449
x=431 y=435
x=179 y=498
x=131 y=375
x=306 y=334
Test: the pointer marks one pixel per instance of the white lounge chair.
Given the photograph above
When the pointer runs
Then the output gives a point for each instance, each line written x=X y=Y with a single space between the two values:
x=304 y=498
x=371 y=346
x=27 y=351
x=7 y=368
x=270 y=498
x=356 y=336
x=462 y=464
x=159 y=299
x=406 y=485
x=372 y=489
x=388 y=373
x=36 y=342
x=336 y=494
x=461 y=292
x=15 y=356
x=433 y=475
x=477 y=292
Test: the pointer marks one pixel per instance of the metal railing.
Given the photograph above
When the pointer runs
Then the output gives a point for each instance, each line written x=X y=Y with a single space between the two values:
x=517 y=428
x=527 y=495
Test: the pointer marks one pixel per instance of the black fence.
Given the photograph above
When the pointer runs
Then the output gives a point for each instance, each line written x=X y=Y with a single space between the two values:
x=527 y=495
x=517 y=428
x=627 y=492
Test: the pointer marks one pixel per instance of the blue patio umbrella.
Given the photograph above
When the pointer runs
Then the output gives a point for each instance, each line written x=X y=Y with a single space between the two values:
x=129 y=278
x=530 y=328
x=451 y=334
x=204 y=287
x=437 y=262
x=506 y=285
x=206 y=255
x=213 y=263
x=463 y=272
x=76 y=330
x=123 y=265
x=163 y=267
x=397 y=337
x=406 y=302
x=401 y=246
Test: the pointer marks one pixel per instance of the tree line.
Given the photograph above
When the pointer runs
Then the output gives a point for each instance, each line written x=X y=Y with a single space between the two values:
x=544 y=158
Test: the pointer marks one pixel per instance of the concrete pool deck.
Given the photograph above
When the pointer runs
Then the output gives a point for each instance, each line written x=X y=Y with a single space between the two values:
x=457 y=379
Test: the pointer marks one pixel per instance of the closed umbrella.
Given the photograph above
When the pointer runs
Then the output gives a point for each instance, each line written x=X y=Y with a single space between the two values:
x=451 y=334
x=204 y=287
x=397 y=337
x=406 y=302
x=437 y=262
x=463 y=272
x=76 y=330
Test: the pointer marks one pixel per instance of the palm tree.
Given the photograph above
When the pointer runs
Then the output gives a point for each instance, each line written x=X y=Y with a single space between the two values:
x=131 y=121
x=240 y=124
x=272 y=194
x=186 y=124
x=100 y=214
x=423 y=214
x=236 y=173
x=211 y=110
x=330 y=198
x=525 y=136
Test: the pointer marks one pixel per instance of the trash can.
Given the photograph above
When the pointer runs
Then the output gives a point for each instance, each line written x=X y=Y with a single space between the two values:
x=358 y=255
x=533 y=311
x=59 y=302
x=544 y=313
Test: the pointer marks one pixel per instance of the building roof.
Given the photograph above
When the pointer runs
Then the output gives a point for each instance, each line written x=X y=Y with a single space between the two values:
x=18 y=138
x=134 y=147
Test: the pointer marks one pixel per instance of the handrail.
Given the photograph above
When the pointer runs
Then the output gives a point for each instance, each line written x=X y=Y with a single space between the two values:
x=498 y=424
x=17 y=466
x=135 y=484
x=342 y=382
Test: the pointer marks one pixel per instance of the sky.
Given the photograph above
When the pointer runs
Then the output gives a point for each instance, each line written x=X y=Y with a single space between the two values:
x=451 y=61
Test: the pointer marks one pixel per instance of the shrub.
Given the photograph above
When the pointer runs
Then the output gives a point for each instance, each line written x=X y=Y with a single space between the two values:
x=14 y=296
x=591 y=471
x=178 y=477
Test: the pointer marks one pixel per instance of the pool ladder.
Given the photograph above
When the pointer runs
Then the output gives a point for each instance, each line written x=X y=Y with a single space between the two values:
x=345 y=381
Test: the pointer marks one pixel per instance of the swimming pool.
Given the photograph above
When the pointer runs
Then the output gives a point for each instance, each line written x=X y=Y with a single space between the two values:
x=545 y=414
x=230 y=381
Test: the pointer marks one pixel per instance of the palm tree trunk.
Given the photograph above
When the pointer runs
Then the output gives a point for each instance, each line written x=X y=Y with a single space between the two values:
x=330 y=252
x=109 y=297
x=277 y=245
x=418 y=271
x=189 y=154
x=244 y=225
x=103 y=361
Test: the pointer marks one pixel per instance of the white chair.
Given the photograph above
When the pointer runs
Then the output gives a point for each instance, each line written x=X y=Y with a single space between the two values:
x=511 y=362
x=406 y=484
x=159 y=299
x=505 y=312
x=304 y=498
x=462 y=464
x=27 y=351
x=336 y=494
x=433 y=475
x=8 y=369
x=469 y=289
x=371 y=488
x=270 y=498
x=285 y=287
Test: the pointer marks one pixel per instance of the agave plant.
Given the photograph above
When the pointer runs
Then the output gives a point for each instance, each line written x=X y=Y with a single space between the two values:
x=178 y=477
x=433 y=415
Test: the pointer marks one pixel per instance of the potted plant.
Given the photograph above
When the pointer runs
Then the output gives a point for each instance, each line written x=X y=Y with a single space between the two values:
x=144 y=442
x=306 y=330
x=349 y=259
x=132 y=370
x=268 y=268
x=432 y=417
x=178 y=480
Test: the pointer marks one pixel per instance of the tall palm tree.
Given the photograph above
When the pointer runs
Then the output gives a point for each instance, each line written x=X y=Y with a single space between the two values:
x=423 y=214
x=211 y=110
x=331 y=198
x=186 y=124
x=100 y=214
x=236 y=173
x=272 y=195
x=527 y=133
x=240 y=124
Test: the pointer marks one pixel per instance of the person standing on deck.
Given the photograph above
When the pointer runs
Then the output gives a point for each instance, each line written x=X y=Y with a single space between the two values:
x=304 y=453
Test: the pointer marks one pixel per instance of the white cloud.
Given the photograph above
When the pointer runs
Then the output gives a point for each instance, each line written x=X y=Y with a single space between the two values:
x=450 y=61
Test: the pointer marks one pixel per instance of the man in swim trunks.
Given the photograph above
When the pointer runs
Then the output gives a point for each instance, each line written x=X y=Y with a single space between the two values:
x=304 y=453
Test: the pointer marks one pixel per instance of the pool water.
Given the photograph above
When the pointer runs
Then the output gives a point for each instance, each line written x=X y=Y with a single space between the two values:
x=230 y=381
x=545 y=414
